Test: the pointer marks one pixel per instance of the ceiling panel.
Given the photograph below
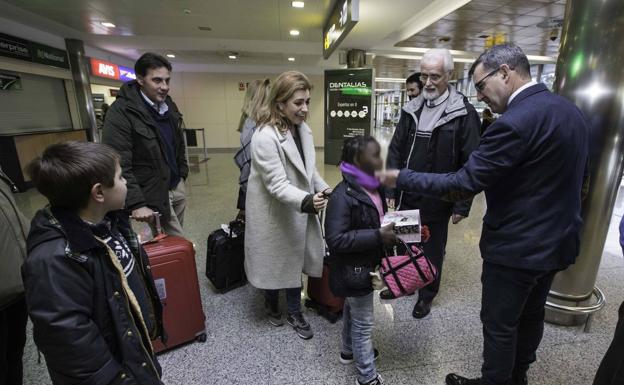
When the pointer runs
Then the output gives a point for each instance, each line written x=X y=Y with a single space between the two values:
x=237 y=19
x=515 y=19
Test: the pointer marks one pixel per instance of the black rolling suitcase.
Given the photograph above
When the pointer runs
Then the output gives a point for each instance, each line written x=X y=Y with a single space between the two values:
x=225 y=258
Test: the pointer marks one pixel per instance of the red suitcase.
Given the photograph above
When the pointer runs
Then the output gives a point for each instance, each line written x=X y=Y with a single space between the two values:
x=320 y=297
x=172 y=261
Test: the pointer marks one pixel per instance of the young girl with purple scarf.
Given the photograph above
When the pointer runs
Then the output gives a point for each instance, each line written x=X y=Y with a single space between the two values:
x=356 y=242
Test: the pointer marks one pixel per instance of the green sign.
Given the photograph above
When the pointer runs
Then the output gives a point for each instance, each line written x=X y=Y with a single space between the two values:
x=342 y=19
x=16 y=48
x=348 y=108
x=44 y=54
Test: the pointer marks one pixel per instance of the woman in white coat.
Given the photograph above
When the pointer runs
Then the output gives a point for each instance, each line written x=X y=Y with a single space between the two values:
x=284 y=193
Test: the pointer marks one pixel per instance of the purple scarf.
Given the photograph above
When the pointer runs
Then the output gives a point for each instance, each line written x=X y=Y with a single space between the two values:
x=365 y=180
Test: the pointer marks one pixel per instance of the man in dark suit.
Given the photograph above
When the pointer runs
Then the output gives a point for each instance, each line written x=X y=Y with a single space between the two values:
x=531 y=164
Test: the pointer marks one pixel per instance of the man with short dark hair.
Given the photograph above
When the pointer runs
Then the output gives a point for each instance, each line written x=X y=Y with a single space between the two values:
x=413 y=85
x=532 y=165
x=437 y=131
x=145 y=126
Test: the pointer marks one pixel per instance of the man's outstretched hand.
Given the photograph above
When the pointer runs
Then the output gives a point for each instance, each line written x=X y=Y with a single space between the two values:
x=388 y=177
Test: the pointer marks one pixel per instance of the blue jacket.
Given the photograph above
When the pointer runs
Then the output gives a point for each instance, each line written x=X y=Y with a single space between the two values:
x=352 y=233
x=531 y=163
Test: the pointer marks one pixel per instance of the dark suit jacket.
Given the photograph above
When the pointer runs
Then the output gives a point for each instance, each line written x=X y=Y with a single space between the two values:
x=531 y=164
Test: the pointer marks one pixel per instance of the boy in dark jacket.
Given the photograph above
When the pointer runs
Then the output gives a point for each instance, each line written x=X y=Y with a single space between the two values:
x=89 y=291
x=356 y=239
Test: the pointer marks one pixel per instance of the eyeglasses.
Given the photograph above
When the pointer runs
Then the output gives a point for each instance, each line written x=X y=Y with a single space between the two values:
x=433 y=77
x=480 y=85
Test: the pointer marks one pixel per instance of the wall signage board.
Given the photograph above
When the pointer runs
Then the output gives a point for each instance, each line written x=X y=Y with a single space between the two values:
x=44 y=54
x=16 y=48
x=348 y=108
x=126 y=74
x=341 y=20
x=104 y=69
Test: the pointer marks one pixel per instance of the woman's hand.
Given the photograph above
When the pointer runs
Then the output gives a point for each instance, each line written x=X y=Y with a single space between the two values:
x=320 y=201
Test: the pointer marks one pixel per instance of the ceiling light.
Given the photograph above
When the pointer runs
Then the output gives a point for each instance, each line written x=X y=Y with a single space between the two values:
x=291 y=59
x=203 y=28
x=298 y=4
x=108 y=25
x=170 y=55
x=294 y=32
x=232 y=56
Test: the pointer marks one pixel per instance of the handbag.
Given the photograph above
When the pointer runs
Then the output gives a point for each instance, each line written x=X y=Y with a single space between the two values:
x=404 y=274
x=357 y=277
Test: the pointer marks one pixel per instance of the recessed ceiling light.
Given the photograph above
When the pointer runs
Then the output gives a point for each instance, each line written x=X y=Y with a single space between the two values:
x=291 y=59
x=187 y=11
x=298 y=4
x=108 y=25
x=233 y=57
x=294 y=32
x=170 y=55
x=203 y=28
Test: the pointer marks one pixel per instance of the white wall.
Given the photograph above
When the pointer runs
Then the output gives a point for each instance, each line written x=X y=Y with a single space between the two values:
x=101 y=89
x=213 y=101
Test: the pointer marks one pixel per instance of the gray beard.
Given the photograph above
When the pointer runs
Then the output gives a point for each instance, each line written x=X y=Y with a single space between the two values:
x=433 y=95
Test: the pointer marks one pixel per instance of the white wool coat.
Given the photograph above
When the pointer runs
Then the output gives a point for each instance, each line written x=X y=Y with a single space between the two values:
x=281 y=242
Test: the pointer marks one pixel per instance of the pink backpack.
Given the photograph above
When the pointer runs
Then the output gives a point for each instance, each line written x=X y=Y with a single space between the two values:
x=404 y=274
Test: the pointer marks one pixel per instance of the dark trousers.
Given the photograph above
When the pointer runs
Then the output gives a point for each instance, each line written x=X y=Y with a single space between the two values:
x=12 y=340
x=611 y=370
x=435 y=249
x=293 y=299
x=512 y=313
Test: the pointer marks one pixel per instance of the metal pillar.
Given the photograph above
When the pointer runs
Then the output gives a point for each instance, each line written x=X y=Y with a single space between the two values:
x=80 y=74
x=540 y=70
x=589 y=72
x=356 y=58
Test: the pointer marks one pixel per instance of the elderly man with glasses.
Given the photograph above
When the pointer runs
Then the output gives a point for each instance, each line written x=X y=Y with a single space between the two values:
x=436 y=133
x=532 y=165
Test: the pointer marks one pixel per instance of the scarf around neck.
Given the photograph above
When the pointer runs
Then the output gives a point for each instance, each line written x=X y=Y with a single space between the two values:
x=365 y=180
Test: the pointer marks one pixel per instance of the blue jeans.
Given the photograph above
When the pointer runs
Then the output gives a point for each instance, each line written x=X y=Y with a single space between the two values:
x=293 y=299
x=357 y=333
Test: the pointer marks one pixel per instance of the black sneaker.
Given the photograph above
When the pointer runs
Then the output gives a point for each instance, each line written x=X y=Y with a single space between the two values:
x=347 y=359
x=455 y=379
x=273 y=314
x=301 y=326
x=386 y=294
x=376 y=381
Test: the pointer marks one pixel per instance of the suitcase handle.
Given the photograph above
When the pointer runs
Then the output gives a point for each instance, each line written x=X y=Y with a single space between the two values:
x=160 y=234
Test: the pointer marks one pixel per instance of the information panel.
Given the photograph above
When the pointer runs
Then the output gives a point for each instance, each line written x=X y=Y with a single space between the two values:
x=348 y=108
x=16 y=48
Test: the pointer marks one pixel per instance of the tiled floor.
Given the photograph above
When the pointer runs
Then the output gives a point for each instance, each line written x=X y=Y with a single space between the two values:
x=242 y=348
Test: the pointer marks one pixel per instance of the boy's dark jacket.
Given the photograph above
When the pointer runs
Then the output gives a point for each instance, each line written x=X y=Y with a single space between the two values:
x=352 y=233
x=85 y=321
